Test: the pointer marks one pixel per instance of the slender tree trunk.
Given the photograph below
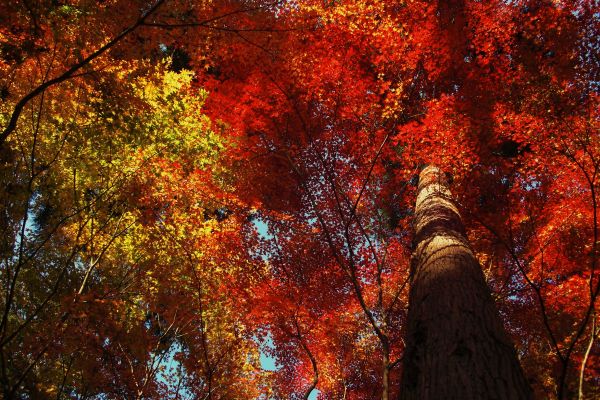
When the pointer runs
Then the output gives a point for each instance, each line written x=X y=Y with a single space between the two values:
x=456 y=345
x=385 y=393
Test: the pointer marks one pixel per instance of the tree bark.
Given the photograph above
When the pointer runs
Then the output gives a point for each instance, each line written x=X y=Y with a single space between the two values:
x=457 y=347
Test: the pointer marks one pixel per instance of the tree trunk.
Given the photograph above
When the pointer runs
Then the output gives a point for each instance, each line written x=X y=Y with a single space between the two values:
x=456 y=344
x=385 y=393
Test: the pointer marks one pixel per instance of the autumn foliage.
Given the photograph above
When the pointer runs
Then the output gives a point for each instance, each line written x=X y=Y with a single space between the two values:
x=215 y=200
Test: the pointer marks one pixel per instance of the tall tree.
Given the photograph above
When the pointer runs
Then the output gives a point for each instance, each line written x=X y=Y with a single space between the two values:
x=456 y=347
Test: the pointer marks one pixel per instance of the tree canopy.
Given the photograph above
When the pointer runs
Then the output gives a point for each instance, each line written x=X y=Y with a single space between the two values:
x=215 y=200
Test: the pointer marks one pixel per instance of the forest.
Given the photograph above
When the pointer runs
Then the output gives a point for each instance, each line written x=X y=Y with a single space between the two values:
x=299 y=199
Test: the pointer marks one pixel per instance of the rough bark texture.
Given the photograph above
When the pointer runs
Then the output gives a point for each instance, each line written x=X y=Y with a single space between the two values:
x=456 y=345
